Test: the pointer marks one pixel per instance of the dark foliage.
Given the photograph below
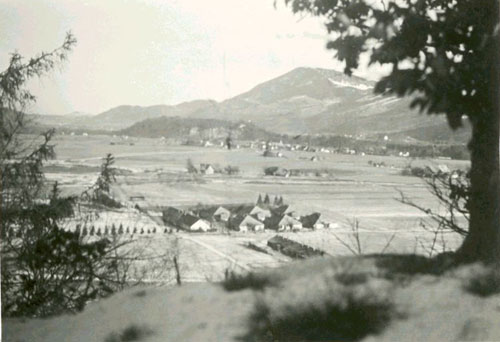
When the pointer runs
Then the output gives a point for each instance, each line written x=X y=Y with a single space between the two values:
x=45 y=270
x=255 y=281
x=446 y=56
x=350 y=321
x=486 y=284
x=131 y=333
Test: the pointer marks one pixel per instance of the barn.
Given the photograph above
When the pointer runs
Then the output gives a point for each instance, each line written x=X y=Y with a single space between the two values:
x=246 y=223
x=193 y=223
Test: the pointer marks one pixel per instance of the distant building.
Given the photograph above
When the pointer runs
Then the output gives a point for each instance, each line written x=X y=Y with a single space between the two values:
x=312 y=221
x=207 y=169
x=284 y=209
x=280 y=172
x=256 y=211
x=193 y=223
x=222 y=214
x=246 y=223
x=215 y=213
x=260 y=213
x=282 y=223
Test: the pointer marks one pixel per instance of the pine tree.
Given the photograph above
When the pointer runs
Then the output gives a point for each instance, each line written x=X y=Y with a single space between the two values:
x=281 y=201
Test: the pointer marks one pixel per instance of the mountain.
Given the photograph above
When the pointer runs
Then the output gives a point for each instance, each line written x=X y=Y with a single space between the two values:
x=196 y=129
x=58 y=121
x=312 y=100
x=120 y=117
x=77 y=113
x=125 y=116
x=302 y=101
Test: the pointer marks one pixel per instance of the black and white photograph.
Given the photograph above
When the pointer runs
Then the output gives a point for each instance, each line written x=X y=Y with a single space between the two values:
x=249 y=170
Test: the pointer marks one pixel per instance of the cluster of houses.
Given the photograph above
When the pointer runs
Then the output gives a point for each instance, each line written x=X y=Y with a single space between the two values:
x=211 y=169
x=242 y=218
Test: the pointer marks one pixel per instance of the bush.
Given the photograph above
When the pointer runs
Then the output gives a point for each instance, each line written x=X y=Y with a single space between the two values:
x=348 y=317
x=485 y=284
x=131 y=333
x=232 y=170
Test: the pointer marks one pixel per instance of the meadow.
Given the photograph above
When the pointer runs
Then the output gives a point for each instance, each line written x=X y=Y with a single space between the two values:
x=353 y=190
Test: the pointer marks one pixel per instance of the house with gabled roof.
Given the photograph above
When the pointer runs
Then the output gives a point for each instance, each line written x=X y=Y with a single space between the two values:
x=312 y=221
x=255 y=210
x=207 y=169
x=246 y=223
x=284 y=209
x=282 y=223
x=221 y=214
x=214 y=213
x=260 y=213
x=194 y=223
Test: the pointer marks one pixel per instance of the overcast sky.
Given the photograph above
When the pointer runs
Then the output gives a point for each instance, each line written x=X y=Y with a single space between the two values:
x=159 y=51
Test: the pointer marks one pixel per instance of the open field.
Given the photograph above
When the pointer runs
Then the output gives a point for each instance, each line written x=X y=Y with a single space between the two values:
x=353 y=190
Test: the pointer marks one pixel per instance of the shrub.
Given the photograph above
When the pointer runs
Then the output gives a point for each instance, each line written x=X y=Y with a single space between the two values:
x=235 y=282
x=485 y=284
x=350 y=318
x=131 y=333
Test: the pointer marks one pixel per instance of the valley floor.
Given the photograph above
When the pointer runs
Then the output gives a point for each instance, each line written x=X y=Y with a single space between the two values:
x=355 y=190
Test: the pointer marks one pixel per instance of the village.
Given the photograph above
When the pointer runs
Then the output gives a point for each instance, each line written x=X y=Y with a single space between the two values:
x=248 y=217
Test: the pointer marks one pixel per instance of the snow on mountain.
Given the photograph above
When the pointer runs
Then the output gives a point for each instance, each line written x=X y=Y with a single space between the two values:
x=352 y=85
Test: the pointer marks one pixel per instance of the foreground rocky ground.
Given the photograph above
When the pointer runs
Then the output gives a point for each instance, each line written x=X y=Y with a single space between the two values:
x=373 y=298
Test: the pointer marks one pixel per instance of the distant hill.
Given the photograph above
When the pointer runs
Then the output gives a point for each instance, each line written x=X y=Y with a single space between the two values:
x=312 y=100
x=58 y=121
x=302 y=101
x=122 y=116
x=194 y=128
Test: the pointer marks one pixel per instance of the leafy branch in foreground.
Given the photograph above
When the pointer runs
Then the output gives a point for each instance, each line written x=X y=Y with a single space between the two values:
x=445 y=56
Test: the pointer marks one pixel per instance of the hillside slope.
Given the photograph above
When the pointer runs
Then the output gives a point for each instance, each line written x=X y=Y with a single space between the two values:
x=302 y=101
x=194 y=128
x=311 y=100
x=371 y=299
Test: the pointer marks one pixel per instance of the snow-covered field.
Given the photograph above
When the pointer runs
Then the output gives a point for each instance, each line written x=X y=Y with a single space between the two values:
x=158 y=172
